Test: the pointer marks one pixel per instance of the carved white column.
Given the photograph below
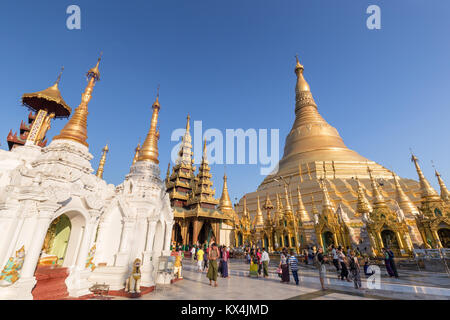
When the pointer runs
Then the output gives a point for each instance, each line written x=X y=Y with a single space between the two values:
x=147 y=266
x=150 y=234
x=128 y=225
x=167 y=236
x=10 y=222
x=86 y=240
x=101 y=241
x=123 y=254
x=46 y=213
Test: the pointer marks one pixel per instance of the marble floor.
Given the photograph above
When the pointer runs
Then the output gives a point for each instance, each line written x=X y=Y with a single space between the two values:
x=195 y=286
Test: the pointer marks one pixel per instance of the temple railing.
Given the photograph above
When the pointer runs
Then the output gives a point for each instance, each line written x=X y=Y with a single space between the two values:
x=443 y=253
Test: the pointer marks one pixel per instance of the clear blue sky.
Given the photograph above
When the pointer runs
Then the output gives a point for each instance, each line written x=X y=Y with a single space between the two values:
x=230 y=64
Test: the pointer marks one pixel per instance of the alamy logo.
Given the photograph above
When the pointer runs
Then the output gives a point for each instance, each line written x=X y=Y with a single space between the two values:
x=74 y=20
x=374 y=280
x=374 y=20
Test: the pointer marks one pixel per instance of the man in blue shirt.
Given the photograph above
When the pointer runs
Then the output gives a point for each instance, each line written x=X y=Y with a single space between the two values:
x=293 y=265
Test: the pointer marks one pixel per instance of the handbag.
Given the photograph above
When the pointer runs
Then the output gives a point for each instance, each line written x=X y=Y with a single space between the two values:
x=279 y=272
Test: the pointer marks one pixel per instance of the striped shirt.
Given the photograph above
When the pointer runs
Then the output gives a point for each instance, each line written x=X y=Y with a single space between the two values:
x=293 y=263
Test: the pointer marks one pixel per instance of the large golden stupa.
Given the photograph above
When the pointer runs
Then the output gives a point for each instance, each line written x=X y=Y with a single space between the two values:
x=321 y=190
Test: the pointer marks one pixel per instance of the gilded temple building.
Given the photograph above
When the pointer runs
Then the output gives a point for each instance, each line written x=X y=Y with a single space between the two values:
x=199 y=216
x=326 y=193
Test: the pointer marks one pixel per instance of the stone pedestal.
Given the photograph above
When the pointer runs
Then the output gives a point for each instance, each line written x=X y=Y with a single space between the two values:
x=147 y=270
x=115 y=277
x=77 y=282
x=21 y=290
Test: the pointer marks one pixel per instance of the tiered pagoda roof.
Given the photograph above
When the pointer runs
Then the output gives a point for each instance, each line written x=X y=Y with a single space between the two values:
x=192 y=195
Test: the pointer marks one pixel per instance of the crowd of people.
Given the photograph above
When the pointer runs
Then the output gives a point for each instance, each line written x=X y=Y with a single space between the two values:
x=214 y=260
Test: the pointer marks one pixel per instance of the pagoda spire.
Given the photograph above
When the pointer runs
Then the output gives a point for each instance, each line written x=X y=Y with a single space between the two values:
x=363 y=206
x=288 y=205
x=245 y=219
x=185 y=153
x=445 y=195
x=202 y=191
x=326 y=203
x=204 y=156
x=311 y=136
x=225 y=204
x=149 y=150
x=259 y=218
x=314 y=211
x=136 y=153
x=101 y=165
x=279 y=210
x=378 y=197
x=268 y=206
x=76 y=128
x=402 y=199
x=168 y=172
x=302 y=213
x=426 y=190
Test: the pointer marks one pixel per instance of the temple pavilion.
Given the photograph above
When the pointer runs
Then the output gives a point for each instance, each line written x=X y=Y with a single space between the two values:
x=199 y=216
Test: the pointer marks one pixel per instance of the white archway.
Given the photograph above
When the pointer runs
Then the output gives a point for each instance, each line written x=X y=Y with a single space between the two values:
x=78 y=225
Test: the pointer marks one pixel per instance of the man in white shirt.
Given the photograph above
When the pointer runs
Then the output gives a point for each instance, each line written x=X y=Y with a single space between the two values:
x=193 y=253
x=265 y=262
x=335 y=255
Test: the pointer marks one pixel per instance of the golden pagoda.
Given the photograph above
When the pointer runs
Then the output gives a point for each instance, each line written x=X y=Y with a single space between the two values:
x=199 y=217
x=313 y=151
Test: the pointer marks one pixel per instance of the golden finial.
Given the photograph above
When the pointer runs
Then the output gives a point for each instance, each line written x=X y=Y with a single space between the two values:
x=268 y=204
x=168 y=172
x=149 y=150
x=101 y=165
x=327 y=204
x=426 y=189
x=188 y=118
x=314 y=210
x=59 y=76
x=302 y=213
x=136 y=153
x=298 y=65
x=259 y=218
x=379 y=199
x=363 y=205
x=156 y=103
x=94 y=73
x=402 y=199
x=204 y=157
x=445 y=194
x=302 y=85
x=225 y=204
x=76 y=128
x=288 y=205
